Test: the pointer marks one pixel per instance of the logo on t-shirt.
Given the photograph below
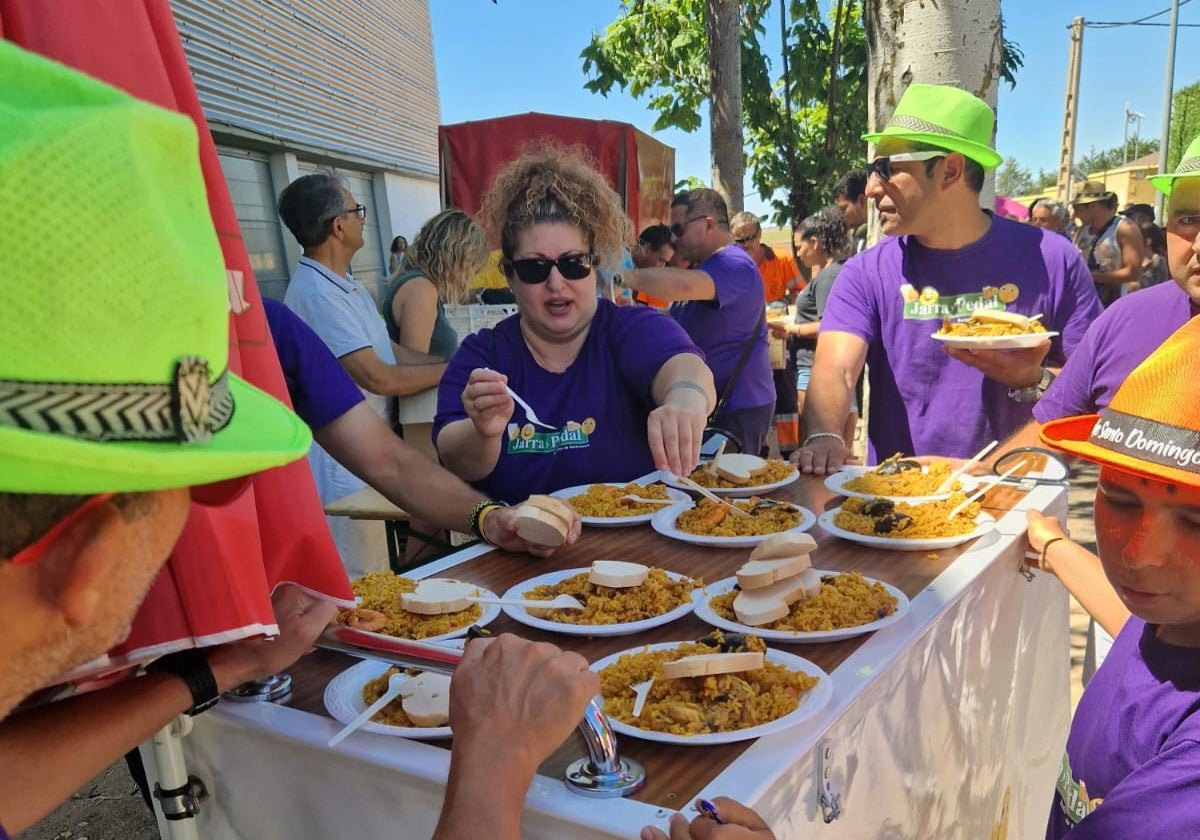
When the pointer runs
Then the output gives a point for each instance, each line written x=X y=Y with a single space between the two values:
x=1073 y=795
x=527 y=440
x=928 y=305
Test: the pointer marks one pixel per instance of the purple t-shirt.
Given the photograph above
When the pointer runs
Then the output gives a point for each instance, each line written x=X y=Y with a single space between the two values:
x=1116 y=342
x=1132 y=764
x=720 y=327
x=319 y=386
x=598 y=405
x=894 y=297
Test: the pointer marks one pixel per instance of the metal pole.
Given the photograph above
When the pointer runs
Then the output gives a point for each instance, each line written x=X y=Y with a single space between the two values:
x=1168 y=89
x=1125 y=143
x=1066 y=158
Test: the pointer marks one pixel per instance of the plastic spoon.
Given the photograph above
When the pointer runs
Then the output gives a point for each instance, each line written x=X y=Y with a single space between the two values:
x=708 y=494
x=979 y=495
x=641 y=691
x=395 y=683
x=559 y=602
x=644 y=501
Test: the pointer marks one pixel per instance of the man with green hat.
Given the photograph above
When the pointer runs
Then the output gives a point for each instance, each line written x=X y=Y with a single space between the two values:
x=115 y=400
x=944 y=258
x=1111 y=245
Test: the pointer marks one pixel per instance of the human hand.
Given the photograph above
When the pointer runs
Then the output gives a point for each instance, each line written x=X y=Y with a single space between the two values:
x=675 y=431
x=513 y=702
x=1042 y=529
x=822 y=455
x=500 y=529
x=1014 y=368
x=487 y=403
x=301 y=618
x=778 y=329
x=741 y=823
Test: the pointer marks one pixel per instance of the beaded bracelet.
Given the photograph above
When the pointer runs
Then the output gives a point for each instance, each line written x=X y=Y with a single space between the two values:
x=478 y=513
x=816 y=435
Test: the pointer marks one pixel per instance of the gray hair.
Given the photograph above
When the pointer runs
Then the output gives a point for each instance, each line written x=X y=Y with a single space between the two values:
x=745 y=218
x=309 y=204
x=1057 y=208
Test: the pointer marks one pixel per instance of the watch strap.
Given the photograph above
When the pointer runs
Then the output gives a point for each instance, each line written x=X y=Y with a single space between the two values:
x=192 y=667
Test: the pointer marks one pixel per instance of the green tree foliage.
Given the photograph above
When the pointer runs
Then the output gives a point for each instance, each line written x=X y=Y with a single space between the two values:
x=1115 y=157
x=1185 y=123
x=1013 y=179
x=795 y=150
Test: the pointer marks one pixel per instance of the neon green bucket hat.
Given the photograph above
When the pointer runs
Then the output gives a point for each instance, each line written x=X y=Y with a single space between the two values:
x=114 y=331
x=1189 y=167
x=945 y=117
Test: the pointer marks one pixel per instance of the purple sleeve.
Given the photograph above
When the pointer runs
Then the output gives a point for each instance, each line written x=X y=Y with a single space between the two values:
x=851 y=307
x=1157 y=799
x=1071 y=392
x=466 y=358
x=319 y=386
x=1080 y=305
x=643 y=340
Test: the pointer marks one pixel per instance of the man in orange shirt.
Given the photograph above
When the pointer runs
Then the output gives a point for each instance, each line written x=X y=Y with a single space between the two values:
x=781 y=278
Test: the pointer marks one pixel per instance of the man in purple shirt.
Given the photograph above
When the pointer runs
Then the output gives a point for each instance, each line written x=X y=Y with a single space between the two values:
x=944 y=257
x=720 y=305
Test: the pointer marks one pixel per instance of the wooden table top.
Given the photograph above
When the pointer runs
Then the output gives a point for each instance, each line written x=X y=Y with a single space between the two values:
x=367 y=503
x=674 y=775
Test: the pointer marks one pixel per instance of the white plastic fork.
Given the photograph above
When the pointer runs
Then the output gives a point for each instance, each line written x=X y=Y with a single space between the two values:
x=530 y=414
x=560 y=602
x=395 y=683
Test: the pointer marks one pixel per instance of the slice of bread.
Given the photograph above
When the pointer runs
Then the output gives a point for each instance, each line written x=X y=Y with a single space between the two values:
x=706 y=664
x=617 y=574
x=544 y=520
x=438 y=595
x=759 y=573
x=756 y=607
x=810 y=579
x=739 y=467
x=783 y=545
x=426 y=699
x=999 y=316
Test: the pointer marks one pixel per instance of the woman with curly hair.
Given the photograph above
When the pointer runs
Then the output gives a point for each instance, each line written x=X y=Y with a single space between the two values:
x=823 y=242
x=448 y=251
x=620 y=391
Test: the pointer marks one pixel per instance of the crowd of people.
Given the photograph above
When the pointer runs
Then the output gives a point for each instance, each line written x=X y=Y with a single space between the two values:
x=88 y=515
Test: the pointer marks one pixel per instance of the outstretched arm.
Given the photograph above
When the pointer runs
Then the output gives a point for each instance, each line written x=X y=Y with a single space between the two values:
x=838 y=362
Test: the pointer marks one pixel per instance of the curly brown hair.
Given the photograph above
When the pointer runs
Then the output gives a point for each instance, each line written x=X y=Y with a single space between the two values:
x=552 y=183
x=449 y=250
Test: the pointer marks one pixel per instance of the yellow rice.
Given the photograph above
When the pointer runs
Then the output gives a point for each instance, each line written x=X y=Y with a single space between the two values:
x=776 y=470
x=381 y=591
x=709 y=519
x=929 y=519
x=972 y=327
x=905 y=483
x=700 y=705
x=393 y=713
x=657 y=595
x=604 y=500
x=846 y=600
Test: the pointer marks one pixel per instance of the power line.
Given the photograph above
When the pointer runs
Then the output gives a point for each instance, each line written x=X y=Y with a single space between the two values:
x=1139 y=22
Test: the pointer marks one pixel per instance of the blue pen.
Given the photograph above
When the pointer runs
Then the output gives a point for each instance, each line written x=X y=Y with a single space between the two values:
x=707 y=809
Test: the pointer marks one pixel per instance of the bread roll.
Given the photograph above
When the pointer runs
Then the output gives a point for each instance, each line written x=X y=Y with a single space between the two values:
x=756 y=607
x=706 y=664
x=759 y=573
x=425 y=698
x=617 y=574
x=739 y=467
x=544 y=520
x=438 y=595
x=783 y=545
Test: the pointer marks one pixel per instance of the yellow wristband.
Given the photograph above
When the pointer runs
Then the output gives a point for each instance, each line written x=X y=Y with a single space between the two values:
x=483 y=515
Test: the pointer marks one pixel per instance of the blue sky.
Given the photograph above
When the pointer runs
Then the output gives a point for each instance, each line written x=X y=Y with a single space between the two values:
x=523 y=55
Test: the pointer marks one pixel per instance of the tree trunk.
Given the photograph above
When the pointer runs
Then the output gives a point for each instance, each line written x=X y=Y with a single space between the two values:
x=722 y=20
x=951 y=42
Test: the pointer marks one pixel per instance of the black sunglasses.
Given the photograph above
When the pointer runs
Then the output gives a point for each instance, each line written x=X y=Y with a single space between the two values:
x=571 y=267
x=882 y=166
x=678 y=228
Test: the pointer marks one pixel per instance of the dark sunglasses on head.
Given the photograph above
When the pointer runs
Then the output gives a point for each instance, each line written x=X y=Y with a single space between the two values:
x=882 y=166
x=571 y=267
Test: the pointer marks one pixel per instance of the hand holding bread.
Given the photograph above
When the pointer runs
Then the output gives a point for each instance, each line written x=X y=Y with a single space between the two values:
x=502 y=528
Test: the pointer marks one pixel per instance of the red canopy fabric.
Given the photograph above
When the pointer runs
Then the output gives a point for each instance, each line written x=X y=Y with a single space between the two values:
x=216 y=586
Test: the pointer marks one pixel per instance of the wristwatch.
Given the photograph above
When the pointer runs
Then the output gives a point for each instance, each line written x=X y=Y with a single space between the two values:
x=192 y=667
x=1032 y=393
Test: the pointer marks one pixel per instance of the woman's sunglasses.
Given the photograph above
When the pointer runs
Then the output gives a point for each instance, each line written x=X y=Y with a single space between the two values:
x=572 y=267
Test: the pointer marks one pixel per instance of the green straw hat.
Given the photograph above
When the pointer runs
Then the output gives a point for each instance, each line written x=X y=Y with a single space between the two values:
x=1189 y=167
x=114 y=332
x=945 y=117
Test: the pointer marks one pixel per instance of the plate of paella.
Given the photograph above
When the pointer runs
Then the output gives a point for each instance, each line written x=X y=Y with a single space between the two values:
x=771 y=475
x=993 y=329
x=899 y=479
x=380 y=613
x=848 y=605
x=714 y=709
x=993 y=342
x=603 y=505
x=608 y=611
x=900 y=526
x=708 y=523
x=350 y=692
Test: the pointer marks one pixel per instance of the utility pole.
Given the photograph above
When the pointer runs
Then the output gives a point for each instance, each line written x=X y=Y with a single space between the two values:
x=1066 y=154
x=1131 y=117
x=1164 y=137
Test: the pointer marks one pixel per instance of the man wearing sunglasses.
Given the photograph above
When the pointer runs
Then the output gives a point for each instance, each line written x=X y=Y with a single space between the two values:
x=719 y=303
x=944 y=258
x=328 y=223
